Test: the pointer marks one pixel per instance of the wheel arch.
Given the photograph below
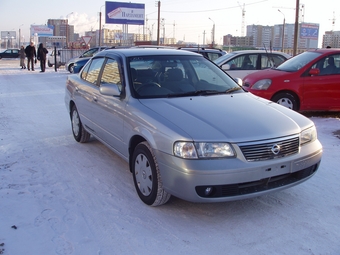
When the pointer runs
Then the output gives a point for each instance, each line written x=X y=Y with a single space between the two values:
x=293 y=93
x=134 y=141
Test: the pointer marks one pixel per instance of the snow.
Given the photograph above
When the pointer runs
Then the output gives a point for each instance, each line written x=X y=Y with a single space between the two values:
x=58 y=196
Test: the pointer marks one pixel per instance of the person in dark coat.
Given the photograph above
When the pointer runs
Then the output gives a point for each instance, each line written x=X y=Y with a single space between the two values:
x=30 y=55
x=42 y=51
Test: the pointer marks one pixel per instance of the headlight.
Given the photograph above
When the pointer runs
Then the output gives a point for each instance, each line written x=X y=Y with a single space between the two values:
x=203 y=150
x=308 y=135
x=262 y=84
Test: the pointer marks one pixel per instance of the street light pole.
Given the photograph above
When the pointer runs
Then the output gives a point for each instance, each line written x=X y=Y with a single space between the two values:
x=213 y=33
x=100 y=25
x=20 y=35
x=283 y=28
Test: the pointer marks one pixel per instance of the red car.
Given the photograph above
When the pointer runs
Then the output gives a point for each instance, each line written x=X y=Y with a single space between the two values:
x=309 y=81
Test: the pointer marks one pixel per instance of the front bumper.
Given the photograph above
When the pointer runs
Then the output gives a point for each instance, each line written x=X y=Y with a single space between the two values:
x=234 y=179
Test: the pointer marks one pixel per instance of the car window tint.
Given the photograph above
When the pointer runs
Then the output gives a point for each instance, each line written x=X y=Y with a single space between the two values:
x=93 y=70
x=243 y=62
x=329 y=65
x=111 y=74
x=271 y=60
x=212 y=56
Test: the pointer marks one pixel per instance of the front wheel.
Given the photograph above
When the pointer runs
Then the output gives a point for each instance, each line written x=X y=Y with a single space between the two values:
x=70 y=68
x=79 y=133
x=286 y=99
x=146 y=176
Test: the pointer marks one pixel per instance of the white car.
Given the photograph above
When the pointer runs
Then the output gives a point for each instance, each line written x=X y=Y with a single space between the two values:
x=238 y=64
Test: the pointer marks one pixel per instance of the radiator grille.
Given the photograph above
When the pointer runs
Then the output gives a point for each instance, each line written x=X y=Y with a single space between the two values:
x=270 y=149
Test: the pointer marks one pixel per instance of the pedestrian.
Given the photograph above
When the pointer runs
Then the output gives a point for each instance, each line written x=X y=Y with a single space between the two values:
x=42 y=51
x=31 y=55
x=22 y=55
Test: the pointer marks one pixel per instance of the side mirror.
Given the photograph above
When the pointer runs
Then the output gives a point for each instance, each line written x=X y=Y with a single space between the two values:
x=239 y=81
x=110 y=90
x=225 y=67
x=314 y=71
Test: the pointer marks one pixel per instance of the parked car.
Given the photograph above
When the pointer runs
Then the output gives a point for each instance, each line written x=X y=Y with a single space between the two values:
x=210 y=53
x=51 y=58
x=79 y=64
x=10 y=53
x=238 y=64
x=309 y=81
x=87 y=54
x=171 y=115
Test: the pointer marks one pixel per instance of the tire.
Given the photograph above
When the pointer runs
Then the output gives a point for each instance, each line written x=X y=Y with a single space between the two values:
x=146 y=176
x=70 y=68
x=286 y=99
x=49 y=64
x=79 y=133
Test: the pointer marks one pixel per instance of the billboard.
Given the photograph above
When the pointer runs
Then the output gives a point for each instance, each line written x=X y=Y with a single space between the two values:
x=124 y=13
x=41 y=30
x=309 y=31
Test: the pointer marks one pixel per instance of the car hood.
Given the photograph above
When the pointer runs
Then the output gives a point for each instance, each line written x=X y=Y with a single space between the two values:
x=267 y=74
x=234 y=118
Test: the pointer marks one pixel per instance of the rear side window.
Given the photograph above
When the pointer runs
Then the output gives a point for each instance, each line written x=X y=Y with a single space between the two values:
x=271 y=60
x=92 y=71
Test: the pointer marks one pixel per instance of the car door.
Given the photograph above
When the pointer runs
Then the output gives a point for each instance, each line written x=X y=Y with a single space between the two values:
x=322 y=91
x=88 y=94
x=111 y=109
x=242 y=65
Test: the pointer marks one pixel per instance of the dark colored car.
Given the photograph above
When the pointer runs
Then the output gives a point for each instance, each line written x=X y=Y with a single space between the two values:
x=10 y=53
x=209 y=53
x=309 y=81
x=79 y=64
x=87 y=54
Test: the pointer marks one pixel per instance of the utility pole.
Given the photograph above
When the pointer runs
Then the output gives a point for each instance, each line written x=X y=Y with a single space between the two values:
x=296 y=27
x=159 y=20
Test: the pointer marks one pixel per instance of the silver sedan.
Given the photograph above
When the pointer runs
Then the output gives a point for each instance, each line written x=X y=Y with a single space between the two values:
x=188 y=129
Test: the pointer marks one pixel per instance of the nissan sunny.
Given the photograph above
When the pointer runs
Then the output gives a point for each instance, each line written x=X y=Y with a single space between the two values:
x=187 y=129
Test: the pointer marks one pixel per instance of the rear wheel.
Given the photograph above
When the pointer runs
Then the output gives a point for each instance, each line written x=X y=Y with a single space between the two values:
x=146 y=176
x=79 y=133
x=286 y=99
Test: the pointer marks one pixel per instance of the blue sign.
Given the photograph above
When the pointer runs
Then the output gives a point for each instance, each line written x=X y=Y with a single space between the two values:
x=309 y=31
x=124 y=13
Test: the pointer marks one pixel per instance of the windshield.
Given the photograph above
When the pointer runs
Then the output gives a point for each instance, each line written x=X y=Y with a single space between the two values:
x=223 y=58
x=297 y=62
x=176 y=76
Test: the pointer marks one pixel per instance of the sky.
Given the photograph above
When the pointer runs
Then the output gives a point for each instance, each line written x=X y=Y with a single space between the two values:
x=190 y=20
x=60 y=197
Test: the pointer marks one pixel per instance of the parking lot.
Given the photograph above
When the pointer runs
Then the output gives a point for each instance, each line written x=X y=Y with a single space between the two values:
x=61 y=197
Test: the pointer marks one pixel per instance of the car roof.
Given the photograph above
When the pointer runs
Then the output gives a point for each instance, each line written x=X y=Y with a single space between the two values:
x=131 y=52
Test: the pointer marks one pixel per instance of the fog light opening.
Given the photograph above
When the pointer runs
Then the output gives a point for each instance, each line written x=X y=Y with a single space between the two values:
x=208 y=191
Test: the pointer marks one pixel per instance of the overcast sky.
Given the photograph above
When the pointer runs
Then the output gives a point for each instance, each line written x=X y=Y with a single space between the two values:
x=190 y=20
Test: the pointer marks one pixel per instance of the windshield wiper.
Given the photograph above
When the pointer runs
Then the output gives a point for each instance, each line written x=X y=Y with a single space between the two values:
x=232 y=90
x=196 y=93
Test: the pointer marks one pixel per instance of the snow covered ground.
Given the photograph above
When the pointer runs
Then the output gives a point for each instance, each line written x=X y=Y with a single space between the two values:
x=61 y=197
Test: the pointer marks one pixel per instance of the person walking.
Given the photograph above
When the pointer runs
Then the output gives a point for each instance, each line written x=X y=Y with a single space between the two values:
x=42 y=51
x=31 y=55
x=22 y=56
